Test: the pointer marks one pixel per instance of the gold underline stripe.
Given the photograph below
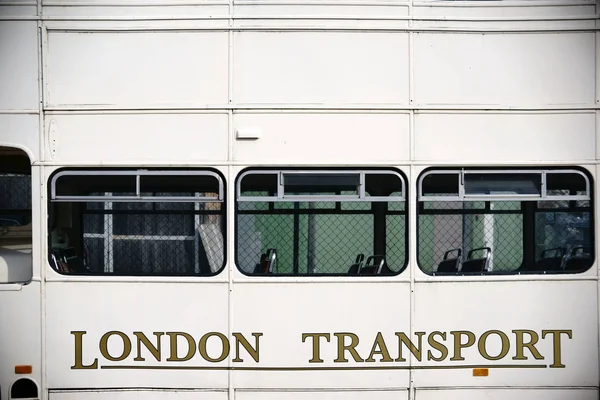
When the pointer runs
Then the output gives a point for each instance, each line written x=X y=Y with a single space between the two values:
x=386 y=367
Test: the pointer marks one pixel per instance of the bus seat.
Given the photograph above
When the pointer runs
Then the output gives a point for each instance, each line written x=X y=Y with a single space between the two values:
x=258 y=268
x=476 y=264
x=373 y=265
x=66 y=260
x=59 y=264
x=550 y=260
x=267 y=262
x=354 y=268
x=579 y=259
x=450 y=265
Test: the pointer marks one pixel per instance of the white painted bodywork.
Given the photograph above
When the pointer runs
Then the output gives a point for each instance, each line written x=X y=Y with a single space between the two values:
x=405 y=84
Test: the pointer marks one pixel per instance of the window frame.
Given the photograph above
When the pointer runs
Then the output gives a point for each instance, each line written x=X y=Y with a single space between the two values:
x=138 y=172
x=463 y=196
x=138 y=197
x=279 y=171
x=282 y=197
x=487 y=199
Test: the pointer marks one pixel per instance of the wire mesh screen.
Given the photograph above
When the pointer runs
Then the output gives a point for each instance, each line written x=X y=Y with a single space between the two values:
x=15 y=199
x=145 y=238
x=494 y=237
x=318 y=237
x=562 y=229
x=492 y=233
x=563 y=239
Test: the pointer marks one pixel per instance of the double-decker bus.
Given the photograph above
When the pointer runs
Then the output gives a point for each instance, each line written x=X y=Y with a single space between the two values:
x=294 y=199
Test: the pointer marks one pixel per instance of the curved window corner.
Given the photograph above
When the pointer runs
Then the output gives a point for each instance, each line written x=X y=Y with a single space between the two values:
x=137 y=222
x=329 y=222
x=505 y=221
x=16 y=263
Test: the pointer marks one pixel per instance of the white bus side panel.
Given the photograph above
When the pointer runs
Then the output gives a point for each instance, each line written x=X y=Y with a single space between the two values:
x=286 y=311
x=20 y=331
x=504 y=69
x=21 y=131
x=17 y=8
x=19 y=66
x=365 y=9
x=317 y=69
x=323 y=138
x=138 y=394
x=156 y=9
x=137 y=69
x=525 y=9
x=506 y=306
x=507 y=394
x=97 y=308
x=324 y=395
x=135 y=138
x=514 y=137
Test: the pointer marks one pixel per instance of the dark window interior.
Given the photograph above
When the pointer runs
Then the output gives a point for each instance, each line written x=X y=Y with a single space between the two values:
x=539 y=235
x=331 y=232
x=111 y=225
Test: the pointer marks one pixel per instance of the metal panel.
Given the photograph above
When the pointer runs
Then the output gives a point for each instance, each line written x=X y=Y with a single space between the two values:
x=323 y=395
x=134 y=139
x=364 y=9
x=21 y=131
x=135 y=9
x=479 y=307
x=21 y=338
x=138 y=394
x=324 y=138
x=283 y=312
x=510 y=10
x=17 y=8
x=137 y=69
x=19 y=66
x=320 y=68
x=98 y=308
x=505 y=69
x=503 y=137
x=508 y=394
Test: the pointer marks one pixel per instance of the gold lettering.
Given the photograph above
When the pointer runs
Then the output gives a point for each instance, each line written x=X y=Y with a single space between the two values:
x=224 y=347
x=173 y=346
x=404 y=340
x=104 y=346
x=79 y=352
x=556 y=344
x=154 y=350
x=383 y=351
x=459 y=345
x=252 y=351
x=439 y=346
x=530 y=345
x=503 y=350
x=342 y=347
x=316 y=349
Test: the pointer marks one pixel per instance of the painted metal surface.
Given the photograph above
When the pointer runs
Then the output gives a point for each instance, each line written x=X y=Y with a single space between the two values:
x=405 y=84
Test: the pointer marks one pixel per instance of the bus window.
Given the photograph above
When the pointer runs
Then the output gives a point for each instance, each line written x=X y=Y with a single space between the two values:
x=15 y=216
x=137 y=222
x=504 y=222
x=321 y=222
